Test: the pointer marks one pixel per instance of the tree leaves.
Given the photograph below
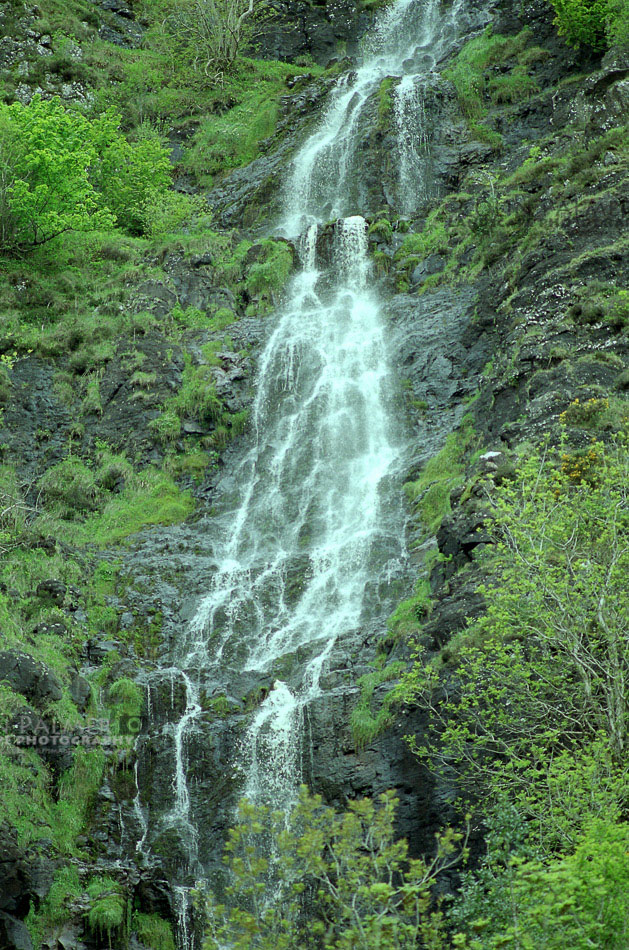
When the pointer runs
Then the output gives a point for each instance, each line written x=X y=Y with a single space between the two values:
x=60 y=171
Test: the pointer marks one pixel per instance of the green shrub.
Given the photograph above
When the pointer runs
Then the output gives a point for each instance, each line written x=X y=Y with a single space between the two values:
x=60 y=171
x=167 y=212
x=70 y=484
x=579 y=901
x=583 y=22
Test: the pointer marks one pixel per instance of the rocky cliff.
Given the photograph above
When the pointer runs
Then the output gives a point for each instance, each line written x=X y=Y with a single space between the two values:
x=125 y=383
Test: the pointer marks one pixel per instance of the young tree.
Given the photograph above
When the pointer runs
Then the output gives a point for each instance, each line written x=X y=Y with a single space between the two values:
x=211 y=33
x=60 y=171
x=538 y=704
x=324 y=880
x=45 y=190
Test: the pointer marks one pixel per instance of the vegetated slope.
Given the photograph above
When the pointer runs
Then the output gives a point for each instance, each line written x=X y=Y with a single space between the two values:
x=126 y=363
x=126 y=372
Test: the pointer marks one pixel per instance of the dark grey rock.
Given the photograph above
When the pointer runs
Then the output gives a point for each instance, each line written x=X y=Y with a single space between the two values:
x=52 y=590
x=16 y=935
x=30 y=677
x=80 y=691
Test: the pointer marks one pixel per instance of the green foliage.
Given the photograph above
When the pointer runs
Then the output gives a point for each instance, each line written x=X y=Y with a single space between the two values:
x=153 y=931
x=197 y=397
x=71 y=485
x=583 y=22
x=168 y=212
x=246 y=115
x=381 y=228
x=579 y=901
x=405 y=622
x=46 y=157
x=131 y=178
x=107 y=906
x=208 y=34
x=618 y=24
x=385 y=101
x=78 y=789
x=430 y=494
x=539 y=706
x=433 y=239
x=60 y=171
x=365 y=725
x=355 y=880
x=270 y=271
x=125 y=699
x=54 y=909
x=167 y=427
x=478 y=55
x=25 y=802
x=149 y=497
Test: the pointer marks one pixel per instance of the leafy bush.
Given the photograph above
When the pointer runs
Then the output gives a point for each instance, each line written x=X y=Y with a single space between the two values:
x=345 y=868
x=583 y=22
x=60 y=171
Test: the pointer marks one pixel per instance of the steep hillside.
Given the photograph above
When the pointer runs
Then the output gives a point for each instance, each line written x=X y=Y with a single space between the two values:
x=134 y=307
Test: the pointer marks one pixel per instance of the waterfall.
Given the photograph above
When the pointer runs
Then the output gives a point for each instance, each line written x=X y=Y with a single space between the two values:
x=413 y=151
x=307 y=517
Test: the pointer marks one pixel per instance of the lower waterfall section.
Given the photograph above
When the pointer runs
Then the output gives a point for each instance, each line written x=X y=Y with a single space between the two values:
x=294 y=558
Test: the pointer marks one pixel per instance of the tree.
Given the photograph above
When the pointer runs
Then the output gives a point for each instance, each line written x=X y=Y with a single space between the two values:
x=211 y=33
x=45 y=190
x=580 y=901
x=60 y=171
x=323 y=880
x=584 y=22
x=538 y=704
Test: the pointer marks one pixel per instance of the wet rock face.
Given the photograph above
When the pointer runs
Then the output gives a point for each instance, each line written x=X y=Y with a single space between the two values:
x=29 y=677
x=318 y=30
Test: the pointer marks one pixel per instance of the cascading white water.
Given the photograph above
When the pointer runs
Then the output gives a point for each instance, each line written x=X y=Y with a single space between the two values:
x=412 y=137
x=306 y=520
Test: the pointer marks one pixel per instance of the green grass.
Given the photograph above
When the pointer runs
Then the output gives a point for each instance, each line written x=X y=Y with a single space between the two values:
x=232 y=139
x=430 y=493
x=153 y=931
x=269 y=273
x=367 y=723
x=477 y=56
x=405 y=622
x=77 y=793
x=54 y=909
x=107 y=906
